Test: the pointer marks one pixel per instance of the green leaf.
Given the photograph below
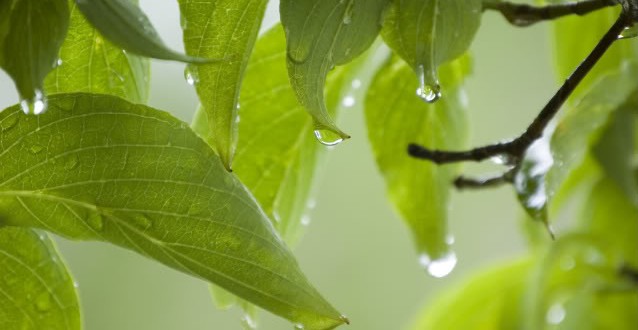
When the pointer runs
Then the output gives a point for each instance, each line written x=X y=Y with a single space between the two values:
x=31 y=34
x=126 y=25
x=36 y=290
x=320 y=35
x=491 y=300
x=581 y=127
x=419 y=190
x=428 y=33
x=221 y=29
x=100 y=168
x=90 y=63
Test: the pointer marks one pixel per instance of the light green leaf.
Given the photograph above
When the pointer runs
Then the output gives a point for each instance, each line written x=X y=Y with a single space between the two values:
x=418 y=189
x=100 y=168
x=320 y=35
x=33 y=32
x=582 y=124
x=221 y=29
x=428 y=33
x=90 y=63
x=491 y=300
x=126 y=25
x=36 y=290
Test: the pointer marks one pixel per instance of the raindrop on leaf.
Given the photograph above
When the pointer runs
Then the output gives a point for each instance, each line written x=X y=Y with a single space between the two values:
x=327 y=137
x=440 y=267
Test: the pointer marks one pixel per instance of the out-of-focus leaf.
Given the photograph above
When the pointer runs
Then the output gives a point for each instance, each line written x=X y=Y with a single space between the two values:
x=36 y=290
x=428 y=33
x=31 y=33
x=320 y=35
x=90 y=63
x=580 y=127
x=100 y=168
x=491 y=300
x=529 y=180
x=126 y=25
x=221 y=29
x=419 y=190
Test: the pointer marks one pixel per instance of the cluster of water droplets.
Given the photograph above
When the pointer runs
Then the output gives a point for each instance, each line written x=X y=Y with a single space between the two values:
x=37 y=105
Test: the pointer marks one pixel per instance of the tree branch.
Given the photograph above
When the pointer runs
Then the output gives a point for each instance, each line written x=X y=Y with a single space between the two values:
x=525 y=15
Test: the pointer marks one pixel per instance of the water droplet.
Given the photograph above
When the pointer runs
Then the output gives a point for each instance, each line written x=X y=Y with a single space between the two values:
x=36 y=149
x=429 y=89
x=142 y=221
x=95 y=221
x=36 y=106
x=555 y=314
x=348 y=101
x=356 y=84
x=503 y=159
x=440 y=267
x=305 y=220
x=299 y=326
x=9 y=122
x=629 y=32
x=43 y=302
x=248 y=322
x=57 y=63
x=191 y=75
x=327 y=137
x=71 y=162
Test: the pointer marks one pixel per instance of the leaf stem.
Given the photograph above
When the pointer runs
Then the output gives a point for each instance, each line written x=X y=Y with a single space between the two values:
x=523 y=15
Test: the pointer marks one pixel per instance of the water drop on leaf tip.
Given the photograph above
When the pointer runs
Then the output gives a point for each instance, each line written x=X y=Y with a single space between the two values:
x=429 y=93
x=440 y=267
x=327 y=137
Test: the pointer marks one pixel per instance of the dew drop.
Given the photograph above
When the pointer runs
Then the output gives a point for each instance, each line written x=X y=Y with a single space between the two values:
x=57 y=63
x=43 y=302
x=95 y=221
x=348 y=101
x=36 y=149
x=629 y=32
x=72 y=162
x=429 y=89
x=327 y=137
x=555 y=314
x=440 y=267
x=191 y=75
x=9 y=122
x=36 y=106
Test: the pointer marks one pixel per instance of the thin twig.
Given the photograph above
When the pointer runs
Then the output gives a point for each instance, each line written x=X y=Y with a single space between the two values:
x=473 y=183
x=525 y=15
x=516 y=148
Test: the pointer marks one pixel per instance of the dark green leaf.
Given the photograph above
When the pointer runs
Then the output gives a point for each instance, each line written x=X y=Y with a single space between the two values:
x=221 y=29
x=428 y=33
x=126 y=25
x=36 y=290
x=100 y=168
x=31 y=32
x=418 y=189
x=90 y=63
x=320 y=35
x=492 y=300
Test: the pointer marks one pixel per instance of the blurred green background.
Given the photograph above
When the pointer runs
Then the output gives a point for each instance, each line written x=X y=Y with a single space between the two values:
x=356 y=250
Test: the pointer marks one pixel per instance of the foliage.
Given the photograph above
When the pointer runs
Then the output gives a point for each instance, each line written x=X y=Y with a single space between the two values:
x=82 y=156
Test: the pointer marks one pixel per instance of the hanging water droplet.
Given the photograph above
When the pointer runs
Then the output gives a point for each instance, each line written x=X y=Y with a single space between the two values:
x=299 y=326
x=555 y=314
x=248 y=322
x=327 y=137
x=71 y=162
x=36 y=149
x=429 y=89
x=439 y=267
x=629 y=32
x=348 y=101
x=43 y=302
x=191 y=75
x=95 y=221
x=36 y=106
x=9 y=122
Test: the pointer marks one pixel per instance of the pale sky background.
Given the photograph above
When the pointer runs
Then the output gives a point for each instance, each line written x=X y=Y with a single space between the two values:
x=356 y=250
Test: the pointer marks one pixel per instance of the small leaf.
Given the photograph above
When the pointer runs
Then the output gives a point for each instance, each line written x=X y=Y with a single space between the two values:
x=126 y=25
x=31 y=33
x=428 y=33
x=419 y=190
x=491 y=300
x=221 y=29
x=36 y=290
x=136 y=177
x=530 y=178
x=320 y=35
x=90 y=63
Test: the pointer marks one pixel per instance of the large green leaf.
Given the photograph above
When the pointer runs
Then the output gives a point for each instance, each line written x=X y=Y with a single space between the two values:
x=36 y=290
x=31 y=32
x=126 y=25
x=418 y=189
x=221 y=29
x=491 y=300
x=90 y=63
x=320 y=35
x=428 y=33
x=100 y=168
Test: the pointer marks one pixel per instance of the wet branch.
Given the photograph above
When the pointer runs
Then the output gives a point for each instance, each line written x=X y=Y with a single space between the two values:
x=525 y=15
x=514 y=150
